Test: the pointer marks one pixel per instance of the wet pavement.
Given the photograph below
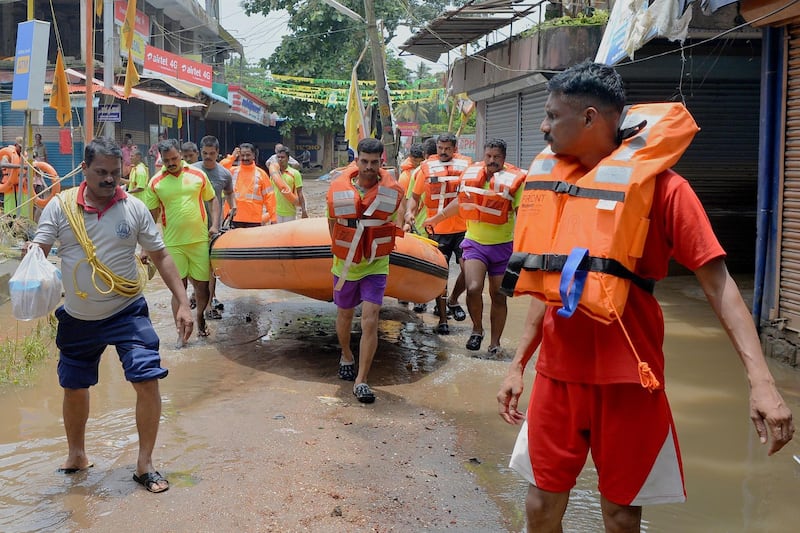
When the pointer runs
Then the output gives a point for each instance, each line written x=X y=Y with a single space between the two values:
x=272 y=341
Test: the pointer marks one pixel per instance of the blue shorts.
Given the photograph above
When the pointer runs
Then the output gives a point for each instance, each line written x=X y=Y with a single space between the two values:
x=494 y=256
x=367 y=289
x=82 y=342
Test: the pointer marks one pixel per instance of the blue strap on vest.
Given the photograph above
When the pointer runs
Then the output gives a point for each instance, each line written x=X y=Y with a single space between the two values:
x=574 y=278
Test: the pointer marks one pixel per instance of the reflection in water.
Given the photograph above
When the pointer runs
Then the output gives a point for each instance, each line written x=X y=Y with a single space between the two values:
x=731 y=484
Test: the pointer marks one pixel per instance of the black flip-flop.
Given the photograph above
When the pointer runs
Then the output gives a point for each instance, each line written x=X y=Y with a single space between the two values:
x=458 y=312
x=474 y=342
x=151 y=481
x=74 y=470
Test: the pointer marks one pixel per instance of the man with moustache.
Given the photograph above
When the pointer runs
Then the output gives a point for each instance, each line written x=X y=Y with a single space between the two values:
x=222 y=181
x=253 y=190
x=437 y=179
x=96 y=314
x=175 y=197
x=599 y=385
x=289 y=179
x=488 y=197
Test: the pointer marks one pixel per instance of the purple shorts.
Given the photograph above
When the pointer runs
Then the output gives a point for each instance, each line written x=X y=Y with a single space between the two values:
x=494 y=256
x=367 y=289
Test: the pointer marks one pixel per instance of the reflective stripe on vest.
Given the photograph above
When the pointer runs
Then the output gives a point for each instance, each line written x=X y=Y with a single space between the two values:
x=605 y=210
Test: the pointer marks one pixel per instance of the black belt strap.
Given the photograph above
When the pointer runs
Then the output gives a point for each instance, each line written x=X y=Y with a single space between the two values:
x=563 y=187
x=555 y=263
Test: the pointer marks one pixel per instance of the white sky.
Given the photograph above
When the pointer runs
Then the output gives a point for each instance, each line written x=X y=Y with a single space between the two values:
x=260 y=35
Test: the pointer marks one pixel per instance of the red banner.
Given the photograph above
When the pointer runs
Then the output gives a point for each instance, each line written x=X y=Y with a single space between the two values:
x=162 y=62
x=142 y=26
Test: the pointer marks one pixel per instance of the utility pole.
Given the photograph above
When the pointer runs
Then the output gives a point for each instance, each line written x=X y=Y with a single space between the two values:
x=376 y=47
x=109 y=57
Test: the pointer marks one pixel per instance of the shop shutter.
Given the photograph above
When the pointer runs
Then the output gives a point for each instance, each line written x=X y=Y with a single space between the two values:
x=532 y=139
x=502 y=122
x=789 y=260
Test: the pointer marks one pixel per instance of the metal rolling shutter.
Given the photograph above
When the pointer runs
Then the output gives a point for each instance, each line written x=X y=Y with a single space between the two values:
x=532 y=139
x=722 y=161
x=789 y=284
x=502 y=122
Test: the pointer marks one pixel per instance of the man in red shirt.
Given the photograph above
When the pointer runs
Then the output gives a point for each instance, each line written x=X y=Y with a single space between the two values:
x=588 y=393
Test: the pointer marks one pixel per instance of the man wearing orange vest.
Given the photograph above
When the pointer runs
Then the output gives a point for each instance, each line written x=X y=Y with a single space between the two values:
x=409 y=164
x=10 y=160
x=488 y=198
x=363 y=203
x=589 y=393
x=252 y=188
x=437 y=178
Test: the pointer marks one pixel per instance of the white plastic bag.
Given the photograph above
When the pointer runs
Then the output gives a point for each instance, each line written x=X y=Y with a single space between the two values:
x=35 y=287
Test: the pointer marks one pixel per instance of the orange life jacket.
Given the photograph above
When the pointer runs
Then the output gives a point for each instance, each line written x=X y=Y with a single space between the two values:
x=579 y=234
x=362 y=228
x=492 y=205
x=251 y=196
x=441 y=181
x=276 y=175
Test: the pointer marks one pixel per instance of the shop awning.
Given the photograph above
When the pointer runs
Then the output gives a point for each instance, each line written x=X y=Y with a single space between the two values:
x=465 y=25
x=148 y=96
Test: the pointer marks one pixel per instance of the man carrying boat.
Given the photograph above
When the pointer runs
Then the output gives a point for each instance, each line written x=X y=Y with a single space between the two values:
x=437 y=179
x=253 y=190
x=222 y=181
x=488 y=198
x=363 y=202
x=288 y=185
x=603 y=212
x=175 y=196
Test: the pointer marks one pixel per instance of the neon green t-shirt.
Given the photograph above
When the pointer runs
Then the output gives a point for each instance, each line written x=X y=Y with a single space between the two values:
x=183 y=214
x=486 y=233
x=294 y=180
x=138 y=178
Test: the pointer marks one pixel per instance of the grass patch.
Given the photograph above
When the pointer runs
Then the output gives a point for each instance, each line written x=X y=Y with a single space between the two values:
x=20 y=357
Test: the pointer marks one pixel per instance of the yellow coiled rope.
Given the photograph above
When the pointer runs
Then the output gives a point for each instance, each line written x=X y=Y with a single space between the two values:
x=122 y=286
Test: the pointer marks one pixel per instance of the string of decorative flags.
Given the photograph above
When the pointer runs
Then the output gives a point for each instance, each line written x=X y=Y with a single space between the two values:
x=333 y=93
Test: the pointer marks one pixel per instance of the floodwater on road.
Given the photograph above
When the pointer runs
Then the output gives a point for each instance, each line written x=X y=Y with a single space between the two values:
x=732 y=485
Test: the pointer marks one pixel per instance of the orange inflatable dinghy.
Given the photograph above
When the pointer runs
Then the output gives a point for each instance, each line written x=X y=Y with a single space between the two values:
x=296 y=256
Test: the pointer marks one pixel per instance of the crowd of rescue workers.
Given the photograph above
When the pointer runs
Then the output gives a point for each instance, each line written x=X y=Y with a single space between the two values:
x=588 y=229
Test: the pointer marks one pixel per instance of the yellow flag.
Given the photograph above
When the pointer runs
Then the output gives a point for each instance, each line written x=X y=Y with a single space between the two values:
x=354 y=128
x=126 y=34
x=180 y=118
x=59 y=96
x=98 y=8
x=131 y=75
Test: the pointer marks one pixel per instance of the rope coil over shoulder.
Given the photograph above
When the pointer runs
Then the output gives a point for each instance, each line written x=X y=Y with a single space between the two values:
x=120 y=285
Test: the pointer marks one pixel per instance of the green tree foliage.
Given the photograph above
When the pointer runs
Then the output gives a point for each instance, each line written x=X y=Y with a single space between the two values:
x=326 y=44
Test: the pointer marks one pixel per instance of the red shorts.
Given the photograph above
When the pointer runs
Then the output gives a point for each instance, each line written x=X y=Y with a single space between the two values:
x=629 y=431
